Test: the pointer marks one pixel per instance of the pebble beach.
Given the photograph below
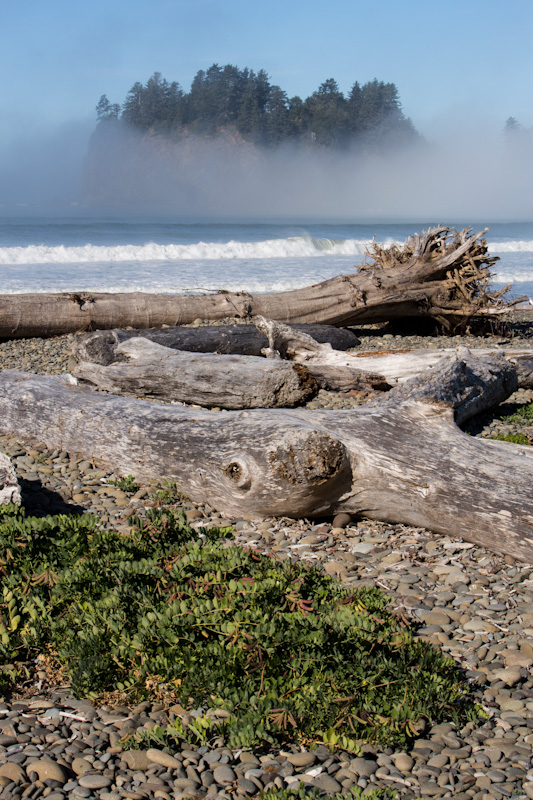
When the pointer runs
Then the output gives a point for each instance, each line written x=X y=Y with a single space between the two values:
x=477 y=606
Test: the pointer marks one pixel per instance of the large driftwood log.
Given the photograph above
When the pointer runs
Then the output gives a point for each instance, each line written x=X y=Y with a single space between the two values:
x=146 y=369
x=397 y=367
x=143 y=368
x=245 y=340
x=400 y=459
x=441 y=274
x=336 y=369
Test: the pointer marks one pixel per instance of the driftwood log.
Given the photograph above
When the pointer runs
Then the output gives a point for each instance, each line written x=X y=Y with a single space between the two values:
x=400 y=459
x=336 y=370
x=245 y=340
x=441 y=274
x=142 y=368
x=397 y=367
x=146 y=369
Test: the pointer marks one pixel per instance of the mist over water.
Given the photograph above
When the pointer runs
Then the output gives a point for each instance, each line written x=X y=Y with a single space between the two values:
x=118 y=211
x=464 y=174
x=44 y=167
x=468 y=177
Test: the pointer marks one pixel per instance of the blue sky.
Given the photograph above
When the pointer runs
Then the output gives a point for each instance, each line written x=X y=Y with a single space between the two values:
x=469 y=61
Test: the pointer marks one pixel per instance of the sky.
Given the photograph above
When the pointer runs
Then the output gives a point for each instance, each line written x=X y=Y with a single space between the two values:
x=461 y=67
x=469 y=59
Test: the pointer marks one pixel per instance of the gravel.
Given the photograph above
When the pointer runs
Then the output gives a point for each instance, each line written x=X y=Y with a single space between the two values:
x=475 y=605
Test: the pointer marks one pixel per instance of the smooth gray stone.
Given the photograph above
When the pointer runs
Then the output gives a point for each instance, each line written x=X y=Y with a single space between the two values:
x=94 y=781
x=224 y=774
x=363 y=767
x=431 y=789
x=327 y=784
x=497 y=776
x=247 y=786
x=207 y=778
x=213 y=757
x=301 y=759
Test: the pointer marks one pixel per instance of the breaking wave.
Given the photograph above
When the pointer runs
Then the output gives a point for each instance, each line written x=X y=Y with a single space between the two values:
x=297 y=247
x=510 y=247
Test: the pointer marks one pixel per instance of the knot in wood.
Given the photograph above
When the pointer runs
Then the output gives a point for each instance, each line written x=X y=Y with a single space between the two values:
x=238 y=474
x=309 y=458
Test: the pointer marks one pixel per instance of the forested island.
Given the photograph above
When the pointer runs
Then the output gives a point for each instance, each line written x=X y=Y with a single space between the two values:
x=236 y=144
x=244 y=102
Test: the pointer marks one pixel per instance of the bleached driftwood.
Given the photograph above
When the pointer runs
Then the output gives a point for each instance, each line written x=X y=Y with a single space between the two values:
x=398 y=367
x=245 y=340
x=9 y=485
x=393 y=366
x=146 y=369
x=138 y=370
x=142 y=368
x=400 y=459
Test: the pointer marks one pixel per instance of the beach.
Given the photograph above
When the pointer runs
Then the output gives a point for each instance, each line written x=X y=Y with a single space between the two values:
x=474 y=604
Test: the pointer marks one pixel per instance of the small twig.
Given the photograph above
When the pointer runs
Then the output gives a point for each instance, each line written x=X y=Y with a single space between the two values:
x=486 y=616
x=73 y=716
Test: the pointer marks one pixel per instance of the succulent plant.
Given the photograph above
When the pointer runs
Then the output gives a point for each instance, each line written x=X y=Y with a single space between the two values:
x=280 y=650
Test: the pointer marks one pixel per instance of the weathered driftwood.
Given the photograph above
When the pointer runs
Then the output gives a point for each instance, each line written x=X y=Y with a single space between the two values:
x=393 y=366
x=146 y=369
x=400 y=459
x=143 y=368
x=398 y=366
x=245 y=340
x=331 y=369
x=9 y=485
x=440 y=274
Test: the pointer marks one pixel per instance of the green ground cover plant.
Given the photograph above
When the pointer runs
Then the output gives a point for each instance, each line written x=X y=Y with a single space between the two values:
x=264 y=651
x=167 y=494
x=127 y=484
x=515 y=438
x=522 y=415
x=355 y=793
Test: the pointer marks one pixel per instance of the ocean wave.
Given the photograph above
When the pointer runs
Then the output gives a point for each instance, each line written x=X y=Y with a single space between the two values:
x=510 y=247
x=298 y=247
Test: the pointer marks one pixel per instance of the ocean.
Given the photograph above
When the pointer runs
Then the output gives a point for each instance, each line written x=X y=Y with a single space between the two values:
x=82 y=251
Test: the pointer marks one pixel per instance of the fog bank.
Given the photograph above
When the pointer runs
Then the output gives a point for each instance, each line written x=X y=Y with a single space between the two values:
x=473 y=175
x=467 y=176
x=44 y=168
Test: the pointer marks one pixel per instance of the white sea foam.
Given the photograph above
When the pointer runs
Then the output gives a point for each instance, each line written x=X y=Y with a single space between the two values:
x=297 y=247
x=510 y=247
